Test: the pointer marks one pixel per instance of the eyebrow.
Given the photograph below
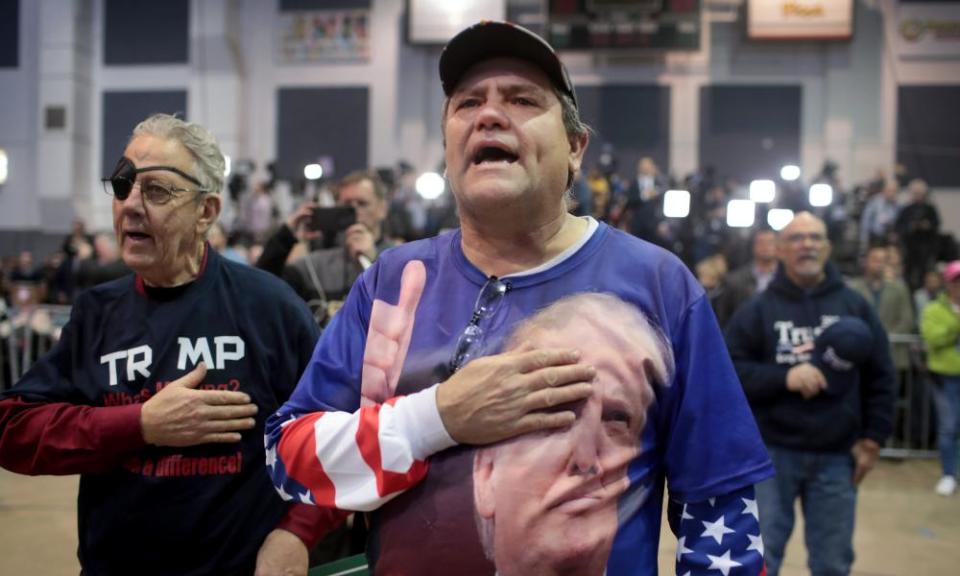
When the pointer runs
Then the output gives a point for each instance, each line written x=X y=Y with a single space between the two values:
x=509 y=88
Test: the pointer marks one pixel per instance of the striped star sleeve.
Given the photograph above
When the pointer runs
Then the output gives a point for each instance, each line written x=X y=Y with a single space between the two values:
x=718 y=535
x=355 y=461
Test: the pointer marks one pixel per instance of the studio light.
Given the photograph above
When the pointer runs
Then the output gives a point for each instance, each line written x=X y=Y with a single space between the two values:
x=763 y=191
x=741 y=213
x=313 y=171
x=778 y=218
x=790 y=172
x=676 y=204
x=4 y=166
x=430 y=185
x=821 y=194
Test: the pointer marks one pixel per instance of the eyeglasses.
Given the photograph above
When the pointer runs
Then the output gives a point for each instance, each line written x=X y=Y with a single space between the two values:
x=488 y=302
x=124 y=177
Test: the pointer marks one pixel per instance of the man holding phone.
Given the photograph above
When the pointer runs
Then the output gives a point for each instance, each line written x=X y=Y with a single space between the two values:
x=324 y=276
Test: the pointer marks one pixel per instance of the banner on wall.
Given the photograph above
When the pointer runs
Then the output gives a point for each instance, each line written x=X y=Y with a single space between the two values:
x=799 y=19
x=323 y=36
x=928 y=30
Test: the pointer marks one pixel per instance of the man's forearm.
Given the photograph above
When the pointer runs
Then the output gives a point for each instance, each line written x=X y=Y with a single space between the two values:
x=311 y=523
x=62 y=438
x=761 y=381
x=275 y=251
x=360 y=460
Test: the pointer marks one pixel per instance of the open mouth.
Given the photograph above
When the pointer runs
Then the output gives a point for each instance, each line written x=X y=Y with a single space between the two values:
x=136 y=236
x=491 y=154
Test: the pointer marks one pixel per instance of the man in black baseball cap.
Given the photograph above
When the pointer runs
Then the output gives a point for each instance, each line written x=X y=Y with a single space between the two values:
x=424 y=331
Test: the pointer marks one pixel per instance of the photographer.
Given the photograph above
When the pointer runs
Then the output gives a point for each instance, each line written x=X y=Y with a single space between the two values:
x=323 y=277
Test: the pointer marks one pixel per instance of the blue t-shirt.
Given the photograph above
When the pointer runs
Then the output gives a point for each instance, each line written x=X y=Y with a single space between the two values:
x=699 y=436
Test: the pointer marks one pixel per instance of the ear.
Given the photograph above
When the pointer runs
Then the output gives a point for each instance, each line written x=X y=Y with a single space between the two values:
x=483 y=492
x=578 y=145
x=209 y=212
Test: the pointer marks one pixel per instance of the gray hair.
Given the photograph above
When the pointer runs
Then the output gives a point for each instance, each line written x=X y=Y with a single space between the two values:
x=208 y=161
x=613 y=318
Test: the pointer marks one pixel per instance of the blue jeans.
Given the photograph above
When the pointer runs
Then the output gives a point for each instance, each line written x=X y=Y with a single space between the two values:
x=946 y=396
x=828 y=498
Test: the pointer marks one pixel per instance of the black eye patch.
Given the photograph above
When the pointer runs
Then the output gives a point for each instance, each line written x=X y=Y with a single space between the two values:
x=122 y=178
x=120 y=183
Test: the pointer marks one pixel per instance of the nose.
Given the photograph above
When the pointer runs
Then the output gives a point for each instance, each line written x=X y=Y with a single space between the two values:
x=587 y=439
x=492 y=116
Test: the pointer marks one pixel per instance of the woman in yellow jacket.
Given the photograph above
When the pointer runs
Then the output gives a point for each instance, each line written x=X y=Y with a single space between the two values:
x=940 y=327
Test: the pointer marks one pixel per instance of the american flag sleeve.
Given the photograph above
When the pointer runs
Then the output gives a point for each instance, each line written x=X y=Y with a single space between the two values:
x=719 y=534
x=354 y=461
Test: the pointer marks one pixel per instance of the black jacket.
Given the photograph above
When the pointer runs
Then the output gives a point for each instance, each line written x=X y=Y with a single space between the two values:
x=766 y=338
x=336 y=270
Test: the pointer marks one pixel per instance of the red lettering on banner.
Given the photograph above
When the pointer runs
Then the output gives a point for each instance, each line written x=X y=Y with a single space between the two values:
x=233 y=386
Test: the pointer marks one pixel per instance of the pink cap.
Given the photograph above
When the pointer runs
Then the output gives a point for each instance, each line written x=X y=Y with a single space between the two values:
x=952 y=271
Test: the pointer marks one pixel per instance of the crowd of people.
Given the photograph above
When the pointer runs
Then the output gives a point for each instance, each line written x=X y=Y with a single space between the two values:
x=892 y=212
x=522 y=394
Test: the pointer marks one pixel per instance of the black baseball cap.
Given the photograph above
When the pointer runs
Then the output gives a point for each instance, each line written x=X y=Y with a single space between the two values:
x=841 y=349
x=492 y=39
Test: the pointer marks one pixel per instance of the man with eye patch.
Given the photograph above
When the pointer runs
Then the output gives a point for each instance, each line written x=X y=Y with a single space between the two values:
x=546 y=502
x=157 y=391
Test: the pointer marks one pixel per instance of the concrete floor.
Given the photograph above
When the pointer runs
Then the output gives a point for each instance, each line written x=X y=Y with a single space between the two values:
x=903 y=529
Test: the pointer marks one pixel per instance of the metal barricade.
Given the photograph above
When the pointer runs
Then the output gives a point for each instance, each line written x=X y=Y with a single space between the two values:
x=914 y=434
x=26 y=334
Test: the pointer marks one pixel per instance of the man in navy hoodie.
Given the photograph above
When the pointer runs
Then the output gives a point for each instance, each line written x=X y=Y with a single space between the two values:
x=823 y=422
